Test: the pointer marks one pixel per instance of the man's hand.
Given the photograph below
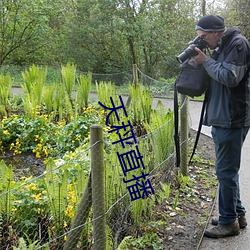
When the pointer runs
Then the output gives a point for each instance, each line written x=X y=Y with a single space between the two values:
x=200 y=58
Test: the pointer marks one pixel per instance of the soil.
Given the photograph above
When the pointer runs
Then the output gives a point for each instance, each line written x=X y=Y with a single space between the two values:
x=25 y=164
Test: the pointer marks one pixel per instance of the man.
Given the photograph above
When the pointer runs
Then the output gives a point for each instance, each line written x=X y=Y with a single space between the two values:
x=228 y=112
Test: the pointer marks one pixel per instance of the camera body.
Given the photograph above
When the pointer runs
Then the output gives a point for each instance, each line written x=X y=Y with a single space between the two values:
x=190 y=51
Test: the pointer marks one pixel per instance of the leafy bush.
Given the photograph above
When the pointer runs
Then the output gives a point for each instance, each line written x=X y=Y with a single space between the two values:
x=41 y=136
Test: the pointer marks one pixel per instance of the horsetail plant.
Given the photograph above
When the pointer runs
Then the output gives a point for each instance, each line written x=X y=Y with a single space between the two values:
x=5 y=89
x=48 y=98
x=33 y=85
x=83 y=91
x=141 y=103
x=56 y=184
x=161 y=126
x=68 y=74
x=106 y=90
x=6 y=184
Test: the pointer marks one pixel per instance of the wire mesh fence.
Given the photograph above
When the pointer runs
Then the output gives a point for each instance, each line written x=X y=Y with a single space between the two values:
x=57 y=209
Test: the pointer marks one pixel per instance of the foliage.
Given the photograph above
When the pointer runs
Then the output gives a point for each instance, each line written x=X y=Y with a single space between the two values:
x=106 y=36
x=22 y=245
x=147 y=241
x=236 y=13
x=161 y=126
x=34 y=81
x=6 y=184
x=51 y=200
x=107 y=91
x=83 y=91
x=5 y=90
x=68 y=74
x=30 y=204
x=141 y=103
x=46 y=205
x=22 y=23
x=43 y=137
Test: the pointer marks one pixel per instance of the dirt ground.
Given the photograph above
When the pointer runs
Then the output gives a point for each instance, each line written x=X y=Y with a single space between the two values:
x=187 y=222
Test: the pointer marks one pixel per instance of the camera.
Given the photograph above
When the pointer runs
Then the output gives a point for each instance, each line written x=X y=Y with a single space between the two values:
x=190 y=51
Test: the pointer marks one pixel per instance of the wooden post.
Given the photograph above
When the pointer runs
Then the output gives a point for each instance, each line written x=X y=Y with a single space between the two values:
x=135 y=82
x=98 y=194
x=184 y=135
x=80 y=218
x=135 y=74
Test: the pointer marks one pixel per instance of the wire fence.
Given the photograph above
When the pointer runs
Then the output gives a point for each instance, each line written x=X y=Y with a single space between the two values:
x=57 y=209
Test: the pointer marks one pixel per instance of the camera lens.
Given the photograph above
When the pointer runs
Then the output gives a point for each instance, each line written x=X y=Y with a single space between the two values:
x=187 y=53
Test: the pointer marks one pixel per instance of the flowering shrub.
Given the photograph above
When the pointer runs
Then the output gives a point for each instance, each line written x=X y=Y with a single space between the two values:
x=43 y=137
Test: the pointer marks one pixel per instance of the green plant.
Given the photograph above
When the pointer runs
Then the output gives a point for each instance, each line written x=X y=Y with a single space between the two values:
x=105 y=91
x=164 y=192
x=48 y=98
x=56 y=187
x=30 y=208
x=6 y=184
x=141 y=103
x=147 y=241
x=176 y=199
x=83 y=91
x=29 y=245
x=34 y=81
x=5 y=90
x=184 y=181
x=68 y=74
x=160 y=132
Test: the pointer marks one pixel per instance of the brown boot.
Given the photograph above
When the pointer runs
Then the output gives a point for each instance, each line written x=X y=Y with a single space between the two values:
x=221 y=231
x=241 y=219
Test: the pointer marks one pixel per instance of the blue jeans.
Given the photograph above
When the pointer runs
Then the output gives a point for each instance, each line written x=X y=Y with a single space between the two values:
x=228 y=145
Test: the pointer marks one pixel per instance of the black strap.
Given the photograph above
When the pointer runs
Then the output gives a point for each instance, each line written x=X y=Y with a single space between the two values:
x=176 y=126
x=199 y=127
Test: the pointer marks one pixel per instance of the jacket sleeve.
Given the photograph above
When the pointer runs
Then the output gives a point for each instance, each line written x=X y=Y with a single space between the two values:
x=234 y=66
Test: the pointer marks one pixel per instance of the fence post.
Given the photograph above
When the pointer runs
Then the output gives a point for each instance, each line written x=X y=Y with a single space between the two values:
x=98 y=195
x=135 y=82
x=184 y=135
x=135 y=74
x=80 y=218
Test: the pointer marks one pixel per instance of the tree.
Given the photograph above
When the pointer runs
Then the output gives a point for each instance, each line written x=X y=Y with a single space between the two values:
x=21 y=21
x=237 y=13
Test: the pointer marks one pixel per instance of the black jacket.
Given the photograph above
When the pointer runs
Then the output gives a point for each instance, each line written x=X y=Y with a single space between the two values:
x=229 y=90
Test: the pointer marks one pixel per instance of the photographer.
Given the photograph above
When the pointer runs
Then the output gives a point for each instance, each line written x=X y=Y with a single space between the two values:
x=228 y=112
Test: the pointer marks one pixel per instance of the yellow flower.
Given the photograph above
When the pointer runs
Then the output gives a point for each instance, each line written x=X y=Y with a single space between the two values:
x=37 y=196
x=31 y=187
x=73 y=199
x=38 y=156
x=45 y=151
x=14 y=209
x=6 y=132
x=69 y=211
